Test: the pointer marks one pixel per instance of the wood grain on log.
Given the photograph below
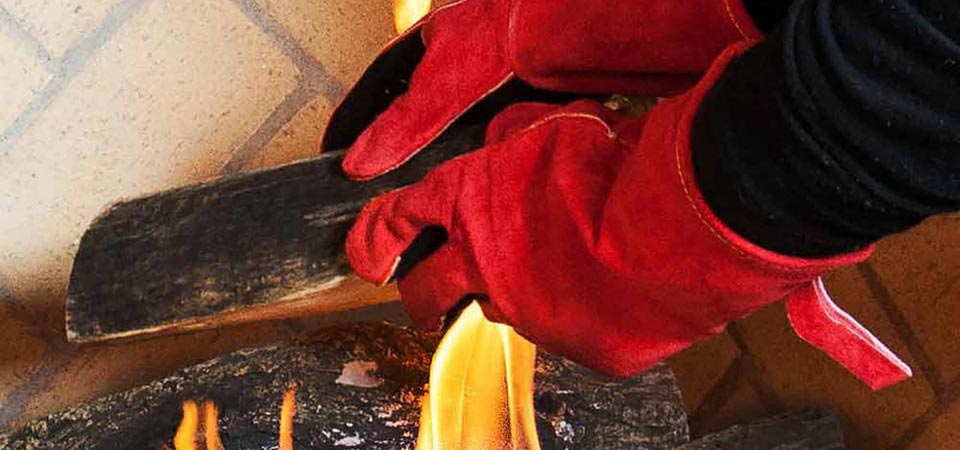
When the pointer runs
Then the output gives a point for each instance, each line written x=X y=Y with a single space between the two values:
x=264 y=245
x=337 y=407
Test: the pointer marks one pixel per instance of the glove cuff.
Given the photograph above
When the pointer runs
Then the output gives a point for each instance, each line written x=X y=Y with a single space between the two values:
x=812 y=313
x=684 y=160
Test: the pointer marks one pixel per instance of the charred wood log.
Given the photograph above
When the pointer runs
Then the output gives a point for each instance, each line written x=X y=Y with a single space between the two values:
x=811 y=430
x=265 y=245
x=358 y=386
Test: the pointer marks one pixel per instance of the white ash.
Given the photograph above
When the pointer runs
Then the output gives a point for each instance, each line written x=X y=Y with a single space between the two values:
x=360 y=374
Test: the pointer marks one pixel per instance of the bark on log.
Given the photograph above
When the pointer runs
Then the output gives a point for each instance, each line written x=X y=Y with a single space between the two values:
x=265 y=245
x=375 y=410
x=811 y=430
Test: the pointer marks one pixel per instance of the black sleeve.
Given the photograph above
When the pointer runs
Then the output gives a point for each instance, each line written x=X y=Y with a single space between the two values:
x=841 y=127
x=766 y=13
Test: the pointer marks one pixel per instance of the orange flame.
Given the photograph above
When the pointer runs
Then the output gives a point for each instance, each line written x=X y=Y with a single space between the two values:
x=481 y=389
x=287 y=409
x=408 y=12
x=480 y=394
x=186 y=437
x=210 y=432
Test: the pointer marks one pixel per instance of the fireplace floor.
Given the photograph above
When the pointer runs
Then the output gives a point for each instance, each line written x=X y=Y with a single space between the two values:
x=356 y=387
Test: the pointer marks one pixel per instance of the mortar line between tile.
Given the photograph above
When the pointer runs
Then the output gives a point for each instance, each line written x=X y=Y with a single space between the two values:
x=902 y=327
x=25 y=37
x=73 y=62
x=283 y=113
x=754 y=373
x=720 y=393
x=19 y=397
x=314 y=73
x=939 y=407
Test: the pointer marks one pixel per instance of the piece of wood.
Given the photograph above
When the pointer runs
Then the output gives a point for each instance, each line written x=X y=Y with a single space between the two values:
x=264 y=245
x=810 y=430
x=337 y=407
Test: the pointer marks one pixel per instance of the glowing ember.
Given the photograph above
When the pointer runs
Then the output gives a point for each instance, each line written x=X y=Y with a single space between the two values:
x=408 y=12
x=186 y=437
x=481 y=389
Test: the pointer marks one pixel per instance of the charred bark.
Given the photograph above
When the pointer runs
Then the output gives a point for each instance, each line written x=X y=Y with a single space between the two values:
x=338 y=407
x=811 y=430
x=264 y=245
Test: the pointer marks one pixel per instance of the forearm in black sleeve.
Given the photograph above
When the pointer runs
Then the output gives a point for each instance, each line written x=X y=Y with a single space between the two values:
x=841 y=127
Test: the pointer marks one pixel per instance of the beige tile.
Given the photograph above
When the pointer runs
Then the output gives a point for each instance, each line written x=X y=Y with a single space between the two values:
x=22 y=352
x=161 y=105
x=943 y=433
x=299 y=138
x=921 y=270
x=21 y=74
x=343 y=35
x=57 y=24
x=701 y=367
x=743 y=405
x=803 y=377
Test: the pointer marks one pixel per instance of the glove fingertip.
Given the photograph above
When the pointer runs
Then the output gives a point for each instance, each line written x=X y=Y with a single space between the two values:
x=357 y=165
x=379 y=150
x=372 y=250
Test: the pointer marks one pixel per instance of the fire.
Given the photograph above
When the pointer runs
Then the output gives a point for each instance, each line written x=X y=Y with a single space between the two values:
x=287 y=410
x=210 y=432
x=481 y=389
x=480 y=395
x=408 y=12
x=186 y=437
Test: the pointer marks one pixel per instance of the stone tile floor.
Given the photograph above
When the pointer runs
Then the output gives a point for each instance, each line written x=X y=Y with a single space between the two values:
x=106 y=99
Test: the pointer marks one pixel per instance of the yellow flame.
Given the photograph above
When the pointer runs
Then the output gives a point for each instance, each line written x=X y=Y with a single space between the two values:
x=408 y=12
x=186 y=437
x=481 y=389
x=211 y=435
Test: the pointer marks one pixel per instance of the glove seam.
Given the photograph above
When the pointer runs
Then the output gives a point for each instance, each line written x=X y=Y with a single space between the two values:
x=611 y=134
x=684 y=122
x=736 y=23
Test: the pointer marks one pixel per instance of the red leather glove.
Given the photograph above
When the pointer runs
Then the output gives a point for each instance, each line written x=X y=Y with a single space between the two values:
x=588 y=234
x=474 y=47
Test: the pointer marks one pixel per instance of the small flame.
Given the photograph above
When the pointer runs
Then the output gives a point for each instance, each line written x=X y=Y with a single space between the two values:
x=210 y=432
x=287 y=409
x=408 y=12
x=481 y=389
x=186 y=437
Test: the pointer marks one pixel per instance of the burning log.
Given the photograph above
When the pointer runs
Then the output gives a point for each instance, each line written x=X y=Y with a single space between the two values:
x=812 y=430
x=356 y=386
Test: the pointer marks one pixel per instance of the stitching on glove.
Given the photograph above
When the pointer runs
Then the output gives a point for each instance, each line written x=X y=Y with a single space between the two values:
x=703 y=220
x=569 y=115
x=685 y=122
x=433 y=135
x=733 y=19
